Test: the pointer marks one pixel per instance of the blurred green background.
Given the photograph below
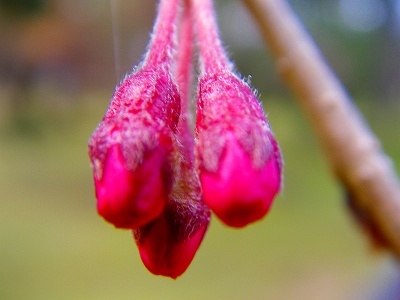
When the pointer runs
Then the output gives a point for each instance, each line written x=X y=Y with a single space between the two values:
x=59 y=63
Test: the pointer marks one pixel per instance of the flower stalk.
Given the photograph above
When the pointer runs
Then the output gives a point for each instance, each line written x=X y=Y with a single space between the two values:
x=238 y=158
x=213 y=55
x=168 y=244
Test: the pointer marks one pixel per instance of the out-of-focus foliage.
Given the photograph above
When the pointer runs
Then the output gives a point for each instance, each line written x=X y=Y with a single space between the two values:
x=58 y=68
x=73 y=43
x=361 y=39
x=22 y=7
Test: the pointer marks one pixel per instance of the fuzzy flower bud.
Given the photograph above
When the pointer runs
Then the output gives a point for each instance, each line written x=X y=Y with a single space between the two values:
x=239 y=160
x=168 y=244
x=131 y=149
x=151 y=177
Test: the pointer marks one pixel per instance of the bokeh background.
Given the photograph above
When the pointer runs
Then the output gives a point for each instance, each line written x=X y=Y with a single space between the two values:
x=59 y=63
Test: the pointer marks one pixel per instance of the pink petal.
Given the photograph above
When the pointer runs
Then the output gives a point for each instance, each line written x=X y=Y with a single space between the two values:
x=163 y=253
x=238 y=193
x=129 y=199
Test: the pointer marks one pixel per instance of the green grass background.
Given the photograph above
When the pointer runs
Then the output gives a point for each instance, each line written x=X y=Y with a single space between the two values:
x=53 y=245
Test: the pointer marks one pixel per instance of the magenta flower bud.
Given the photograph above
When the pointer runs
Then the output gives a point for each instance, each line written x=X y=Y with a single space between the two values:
x=130 y=199
x=131 y=150
x=163 y=255
x=238 y=193
x=238 y=158
x=151 y=177
x=168 y=244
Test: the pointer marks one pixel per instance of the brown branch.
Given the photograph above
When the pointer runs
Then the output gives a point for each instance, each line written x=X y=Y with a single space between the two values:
x=354 y=153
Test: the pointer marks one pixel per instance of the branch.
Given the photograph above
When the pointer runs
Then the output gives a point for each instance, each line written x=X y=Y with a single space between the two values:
x=354 y=153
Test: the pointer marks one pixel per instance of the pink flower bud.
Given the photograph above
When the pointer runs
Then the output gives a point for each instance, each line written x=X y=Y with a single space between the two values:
x=168 y=244
x=239 y=159
x=238 y=193
x=131 y=149
x=130 y=199
x=148 y=176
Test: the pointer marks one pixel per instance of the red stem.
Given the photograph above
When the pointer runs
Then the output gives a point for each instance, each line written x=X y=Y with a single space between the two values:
x=162 y=41
x=184 y=68
x=213 y=55
x=184 y=65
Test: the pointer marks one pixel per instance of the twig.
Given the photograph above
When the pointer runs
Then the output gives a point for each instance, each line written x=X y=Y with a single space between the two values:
x=354 y=153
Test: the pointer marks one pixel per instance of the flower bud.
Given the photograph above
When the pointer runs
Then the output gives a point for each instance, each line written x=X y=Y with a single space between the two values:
x=239 y=193
x=168 y=244
x=131 y=149
x=239 y=160
x=130 y=199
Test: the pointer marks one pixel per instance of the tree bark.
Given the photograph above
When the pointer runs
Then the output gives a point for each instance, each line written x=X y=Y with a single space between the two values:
x=354 y=153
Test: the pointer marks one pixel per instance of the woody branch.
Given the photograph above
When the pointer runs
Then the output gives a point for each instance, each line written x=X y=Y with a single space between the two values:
x=354 y=153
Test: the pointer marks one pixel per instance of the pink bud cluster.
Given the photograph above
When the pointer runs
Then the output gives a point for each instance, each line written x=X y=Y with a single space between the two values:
x=152 y=175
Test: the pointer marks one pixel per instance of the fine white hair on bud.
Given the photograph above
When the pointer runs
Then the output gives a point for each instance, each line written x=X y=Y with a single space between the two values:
x=232 y=130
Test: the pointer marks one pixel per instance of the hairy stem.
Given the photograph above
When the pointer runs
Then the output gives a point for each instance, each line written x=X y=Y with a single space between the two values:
x=184 y=67
x=162 y=41
x=213 y=55
x=184 y=64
